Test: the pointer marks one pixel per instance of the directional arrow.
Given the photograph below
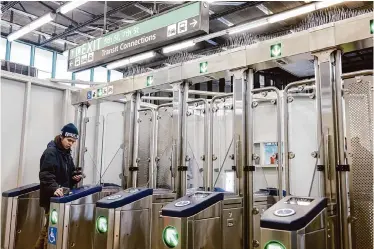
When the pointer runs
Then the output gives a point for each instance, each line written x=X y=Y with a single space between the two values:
x=276 y=50
x=193 y=24
x=203 y=67
x=171 y=237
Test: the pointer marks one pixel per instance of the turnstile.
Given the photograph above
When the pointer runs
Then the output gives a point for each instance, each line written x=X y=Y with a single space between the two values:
x=295 y=223
x=71 y=217
x=193 y=221
x=21 y=217
x=160 y=198
x=123 y=220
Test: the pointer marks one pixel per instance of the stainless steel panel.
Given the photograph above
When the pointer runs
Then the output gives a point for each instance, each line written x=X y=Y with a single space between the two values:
x=353 y=29
x=181 y=227
x=157 y=226
x=260 y=209
x=135 y=229
x=144 y=203
x=6 y=217
x=205 y=233
x=318 y=223
x=104 y=240
x=81 y=226
x=313 y=240
x=285 y=237
x=210 y=212
x=61 y=236
x=359 y=109
x=232 y=225
x=30 y=219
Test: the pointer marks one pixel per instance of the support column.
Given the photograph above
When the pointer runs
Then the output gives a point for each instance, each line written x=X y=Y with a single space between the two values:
x=242 y=134
x=179 y=138
x=330 y=83
x=81 y=121
x=130 y=167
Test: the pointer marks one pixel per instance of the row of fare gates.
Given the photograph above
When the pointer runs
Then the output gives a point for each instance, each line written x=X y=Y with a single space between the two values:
x=108 y=217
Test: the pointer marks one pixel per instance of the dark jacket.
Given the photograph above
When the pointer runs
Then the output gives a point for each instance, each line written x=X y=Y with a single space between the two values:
x=56 y=170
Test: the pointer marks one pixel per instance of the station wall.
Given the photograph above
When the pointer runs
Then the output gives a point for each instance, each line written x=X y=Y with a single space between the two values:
x=31 y=116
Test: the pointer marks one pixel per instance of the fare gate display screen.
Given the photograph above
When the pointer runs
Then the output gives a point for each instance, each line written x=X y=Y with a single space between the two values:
x=300 y=201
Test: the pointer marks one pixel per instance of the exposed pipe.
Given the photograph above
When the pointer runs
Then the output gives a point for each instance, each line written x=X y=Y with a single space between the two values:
x=66 y=32
x=357 y=73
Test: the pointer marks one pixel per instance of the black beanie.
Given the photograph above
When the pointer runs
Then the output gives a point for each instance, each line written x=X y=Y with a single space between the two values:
x=69 y=130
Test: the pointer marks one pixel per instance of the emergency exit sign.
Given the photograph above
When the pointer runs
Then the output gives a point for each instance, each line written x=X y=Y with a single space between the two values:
x=371 y=26
x=172 y=26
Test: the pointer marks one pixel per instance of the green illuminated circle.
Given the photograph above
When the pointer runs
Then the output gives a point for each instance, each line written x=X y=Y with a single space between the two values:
x=170 y=236
x=102 y=224
x=276 y=50
x=54 y=217
x=203 y=67
x=274 y=245
x=371 y=26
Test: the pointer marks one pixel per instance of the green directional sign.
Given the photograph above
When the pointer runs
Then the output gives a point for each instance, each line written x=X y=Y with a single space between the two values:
x=274 y=245
x=99 y=92
x=371 y=26
x=149 y=80
x=170 y=236
x=102 y=224
x=166 y=28
x=276 y=50
x=54 y=217
x=203 y=67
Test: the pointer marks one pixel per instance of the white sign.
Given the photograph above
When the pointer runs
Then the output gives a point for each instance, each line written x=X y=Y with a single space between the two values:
x=182 y=26
x=110 y=90
x=84 y=59
x=105 y=91
x=172 y=30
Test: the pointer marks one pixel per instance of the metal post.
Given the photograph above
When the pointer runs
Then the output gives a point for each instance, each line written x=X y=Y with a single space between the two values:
x=240 y=95
x=135 y=140
x=340 y=145
x=54 y=62
x=320 y=132
x=179 y=144
x=81 y=148
x=25 y=125
x=8 y=49
x=130 y=166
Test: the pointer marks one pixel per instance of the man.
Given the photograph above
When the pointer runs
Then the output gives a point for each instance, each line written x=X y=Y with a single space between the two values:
x=57 y=170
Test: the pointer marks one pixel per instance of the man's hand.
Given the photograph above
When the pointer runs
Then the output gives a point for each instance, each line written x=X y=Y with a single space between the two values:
x=77 y=178
x=59 y=192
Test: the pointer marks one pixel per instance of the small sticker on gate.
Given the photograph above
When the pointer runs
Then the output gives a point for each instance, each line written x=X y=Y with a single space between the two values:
x=110 y=90
x=52 y=235
x=105 y=91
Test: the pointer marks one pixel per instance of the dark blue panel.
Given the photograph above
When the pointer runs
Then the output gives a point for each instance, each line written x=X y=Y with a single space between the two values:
x=22 y=190
x=302 y=217
x=77 y=193
x=197 y=204
x=124 y=197
x=110 y=185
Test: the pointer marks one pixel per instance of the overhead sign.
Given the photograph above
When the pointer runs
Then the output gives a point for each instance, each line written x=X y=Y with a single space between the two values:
x=101 y=92
x=177 y=24
x=203 y=67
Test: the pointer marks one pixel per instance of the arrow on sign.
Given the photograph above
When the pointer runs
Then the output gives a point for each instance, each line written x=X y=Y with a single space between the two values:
x=193 y=24
x=171 y=237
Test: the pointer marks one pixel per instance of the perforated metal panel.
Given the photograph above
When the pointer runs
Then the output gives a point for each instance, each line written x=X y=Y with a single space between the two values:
x=359 y=125
x=164 y=147
x=144 y=153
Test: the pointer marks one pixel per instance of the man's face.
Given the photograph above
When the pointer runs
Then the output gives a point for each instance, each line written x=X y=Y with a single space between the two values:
x=68 y=142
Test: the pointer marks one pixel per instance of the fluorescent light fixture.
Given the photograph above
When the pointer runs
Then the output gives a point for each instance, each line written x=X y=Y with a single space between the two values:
x=292 y=13
x=248 y=26
x=264 y=9
x=70 y=6
x=327 y=3
x=131 y=60
x=178 y=46
x=31 y=26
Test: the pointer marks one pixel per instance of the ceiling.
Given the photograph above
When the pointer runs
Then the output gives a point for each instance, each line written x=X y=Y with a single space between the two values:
x=223 y=15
